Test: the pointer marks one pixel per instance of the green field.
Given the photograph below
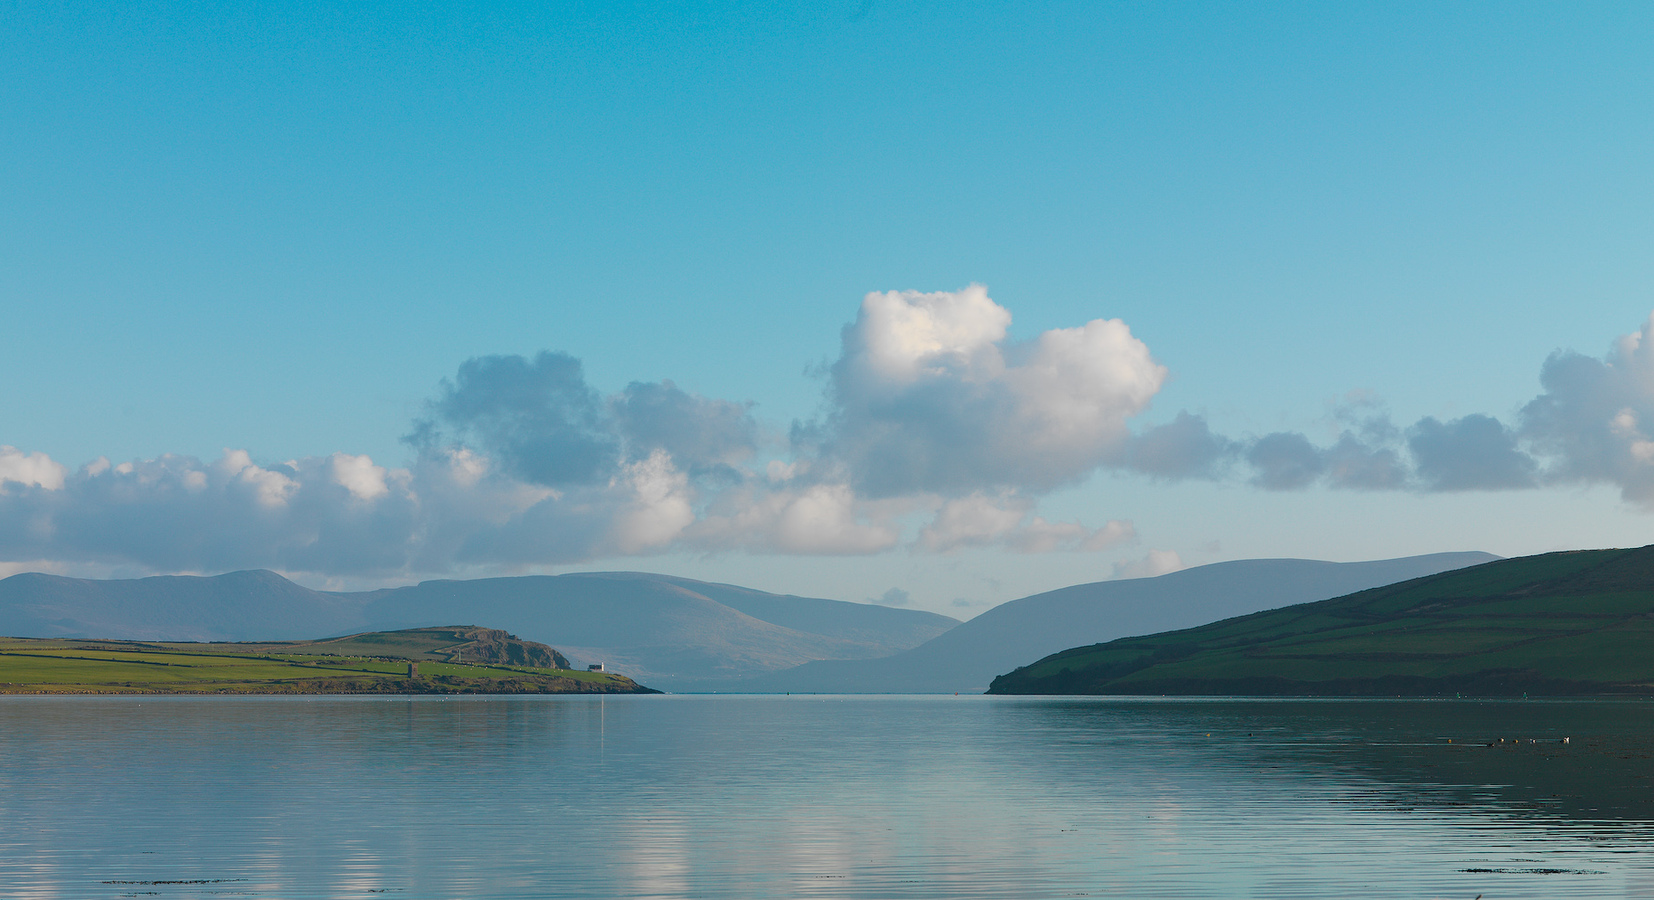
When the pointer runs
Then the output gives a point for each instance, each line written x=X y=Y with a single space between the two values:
x=1560 y=624
x=373 y=663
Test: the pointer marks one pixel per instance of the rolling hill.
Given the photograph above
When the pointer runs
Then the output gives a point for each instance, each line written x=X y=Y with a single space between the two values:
x=1573 y=623
x=461 y=644
x=657 y=628
x=236 y=606
x=966 y=658
x=453 y=659
x=668 y=632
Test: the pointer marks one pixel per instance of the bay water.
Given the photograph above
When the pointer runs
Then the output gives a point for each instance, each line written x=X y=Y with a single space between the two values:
x=823 y=797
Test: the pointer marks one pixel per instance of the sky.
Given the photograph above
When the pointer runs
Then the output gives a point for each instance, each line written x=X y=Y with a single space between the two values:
x=934 y=305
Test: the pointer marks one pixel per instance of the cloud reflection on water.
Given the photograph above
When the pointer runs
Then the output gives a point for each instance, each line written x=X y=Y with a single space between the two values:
x=843 y=797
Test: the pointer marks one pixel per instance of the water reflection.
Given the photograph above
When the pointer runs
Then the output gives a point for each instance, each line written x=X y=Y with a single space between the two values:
x=1499 y=756
x=841 y=797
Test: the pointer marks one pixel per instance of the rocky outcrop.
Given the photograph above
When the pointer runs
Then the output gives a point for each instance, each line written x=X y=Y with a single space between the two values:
x=497 y=647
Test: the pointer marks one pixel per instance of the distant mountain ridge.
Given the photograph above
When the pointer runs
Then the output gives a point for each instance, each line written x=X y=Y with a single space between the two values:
x=254 y=605
x=685 y=635
x=967 y=658
x=657 y=628
x=665 y=631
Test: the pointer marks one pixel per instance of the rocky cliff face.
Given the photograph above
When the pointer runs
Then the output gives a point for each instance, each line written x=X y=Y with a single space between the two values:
x=491 y=645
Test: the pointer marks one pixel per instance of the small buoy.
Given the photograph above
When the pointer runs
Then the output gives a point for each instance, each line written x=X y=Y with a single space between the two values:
x=1564 y=740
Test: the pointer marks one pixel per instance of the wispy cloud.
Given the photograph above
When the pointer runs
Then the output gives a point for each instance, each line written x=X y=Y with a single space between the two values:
x=1155 y=562
x=1008 y=521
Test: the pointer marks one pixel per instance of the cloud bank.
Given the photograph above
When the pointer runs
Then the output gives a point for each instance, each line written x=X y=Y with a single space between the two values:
x=939 y=432
x=1585 y=427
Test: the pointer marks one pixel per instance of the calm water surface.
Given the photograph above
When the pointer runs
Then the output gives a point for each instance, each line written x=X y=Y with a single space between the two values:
x=823 y=797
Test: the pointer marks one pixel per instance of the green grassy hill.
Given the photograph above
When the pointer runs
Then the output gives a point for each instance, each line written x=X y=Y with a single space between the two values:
x=1559 y=624
x=449 y=660
x=449 y=643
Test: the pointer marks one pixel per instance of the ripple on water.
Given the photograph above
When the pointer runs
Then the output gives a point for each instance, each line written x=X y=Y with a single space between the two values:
x=821 y=797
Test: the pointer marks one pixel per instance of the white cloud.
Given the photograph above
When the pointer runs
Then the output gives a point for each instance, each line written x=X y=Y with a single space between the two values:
x=359 y=475
x=271 y=488
x=1040 y=536
x=1151 y=564
x=466 y=467
x=176 y=513
x=824 y=519
x=932 y=412
x=30 y=469
x=778 y=472
x=819 y=519
x=929 y=396
x=1081 y=384
x=1625 y=425
x=1588 y=424
x=973 y=521
x=660 y=508
x=907 y=334
x=1006 y=521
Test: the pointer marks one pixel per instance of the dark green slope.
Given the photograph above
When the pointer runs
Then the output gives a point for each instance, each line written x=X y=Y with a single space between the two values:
x=1559 y=624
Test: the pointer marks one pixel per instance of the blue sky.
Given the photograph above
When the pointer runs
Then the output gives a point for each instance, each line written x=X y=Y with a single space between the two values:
x=285 y=229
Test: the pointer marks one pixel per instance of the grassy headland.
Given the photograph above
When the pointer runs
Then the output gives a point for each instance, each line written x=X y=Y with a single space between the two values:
x=449 y=660
x=1561 y=624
